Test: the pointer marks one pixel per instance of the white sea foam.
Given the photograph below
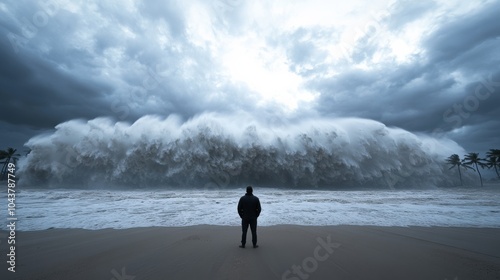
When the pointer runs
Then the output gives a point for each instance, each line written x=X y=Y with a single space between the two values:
x=96 y=209
x=236 y=150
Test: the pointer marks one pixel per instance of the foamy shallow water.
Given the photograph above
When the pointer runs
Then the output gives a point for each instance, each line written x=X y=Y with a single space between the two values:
x=97 y=209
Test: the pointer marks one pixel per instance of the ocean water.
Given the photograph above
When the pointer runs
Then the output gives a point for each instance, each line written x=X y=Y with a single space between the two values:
x=160 y=171
x=39 y=209
x=237 y=150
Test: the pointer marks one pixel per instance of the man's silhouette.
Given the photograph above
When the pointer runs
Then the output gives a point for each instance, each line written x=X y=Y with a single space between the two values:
x=249 y=210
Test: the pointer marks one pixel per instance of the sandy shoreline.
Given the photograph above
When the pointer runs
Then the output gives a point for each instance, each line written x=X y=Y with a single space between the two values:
x=285 y=252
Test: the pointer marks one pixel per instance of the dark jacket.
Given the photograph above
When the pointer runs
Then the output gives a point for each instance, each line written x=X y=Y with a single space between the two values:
x=249 y=206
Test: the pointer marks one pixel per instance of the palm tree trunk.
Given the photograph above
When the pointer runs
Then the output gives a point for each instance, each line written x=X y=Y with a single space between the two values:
x=460 y=174
x=496 y=170
x=3 y=173
x=480 y=178
x=4 y=167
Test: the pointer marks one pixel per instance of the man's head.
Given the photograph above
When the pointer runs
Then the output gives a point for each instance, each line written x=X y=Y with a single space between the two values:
x=249 y=189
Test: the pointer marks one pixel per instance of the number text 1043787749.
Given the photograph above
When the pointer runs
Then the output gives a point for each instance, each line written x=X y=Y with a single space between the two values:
x=11 y=218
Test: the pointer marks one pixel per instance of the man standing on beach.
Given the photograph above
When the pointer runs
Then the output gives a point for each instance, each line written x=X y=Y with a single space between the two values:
x=249 y=210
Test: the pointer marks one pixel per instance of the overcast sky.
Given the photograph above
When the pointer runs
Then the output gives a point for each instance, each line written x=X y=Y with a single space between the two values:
x=424 y=66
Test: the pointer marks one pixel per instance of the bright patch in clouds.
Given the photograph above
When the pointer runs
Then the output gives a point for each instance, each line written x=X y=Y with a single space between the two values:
x=265 y=72
x=414 y=59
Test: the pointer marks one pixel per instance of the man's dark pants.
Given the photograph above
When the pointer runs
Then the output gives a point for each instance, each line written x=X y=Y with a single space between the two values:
x=252 y=222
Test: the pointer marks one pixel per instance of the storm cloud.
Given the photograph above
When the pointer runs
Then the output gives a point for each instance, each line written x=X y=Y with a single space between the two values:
x=429 y=68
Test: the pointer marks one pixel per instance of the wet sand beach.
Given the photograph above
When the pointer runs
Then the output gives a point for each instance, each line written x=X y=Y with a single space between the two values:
x=285 y=252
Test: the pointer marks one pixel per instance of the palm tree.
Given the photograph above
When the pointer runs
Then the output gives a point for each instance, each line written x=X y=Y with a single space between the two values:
x=493 y=159
x=7 y=155
x=454 y=160
x=3 y=156
x=474 y=159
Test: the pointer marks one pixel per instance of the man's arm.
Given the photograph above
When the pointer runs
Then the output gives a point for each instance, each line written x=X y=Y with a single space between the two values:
x=258 y=207
x=240 y=210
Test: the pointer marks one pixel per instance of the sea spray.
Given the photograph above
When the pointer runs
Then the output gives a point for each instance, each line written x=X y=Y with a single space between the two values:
x=167 y=152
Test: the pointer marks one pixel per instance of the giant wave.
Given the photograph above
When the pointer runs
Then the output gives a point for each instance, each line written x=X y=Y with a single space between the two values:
x=214 y=150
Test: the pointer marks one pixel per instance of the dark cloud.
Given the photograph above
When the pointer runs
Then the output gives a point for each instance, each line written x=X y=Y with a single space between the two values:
x=16 y=135
x=479 y=137
x=66 y=80
x=460 y=35
x=37 y=93
x=126 y=61
x=426 y=95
